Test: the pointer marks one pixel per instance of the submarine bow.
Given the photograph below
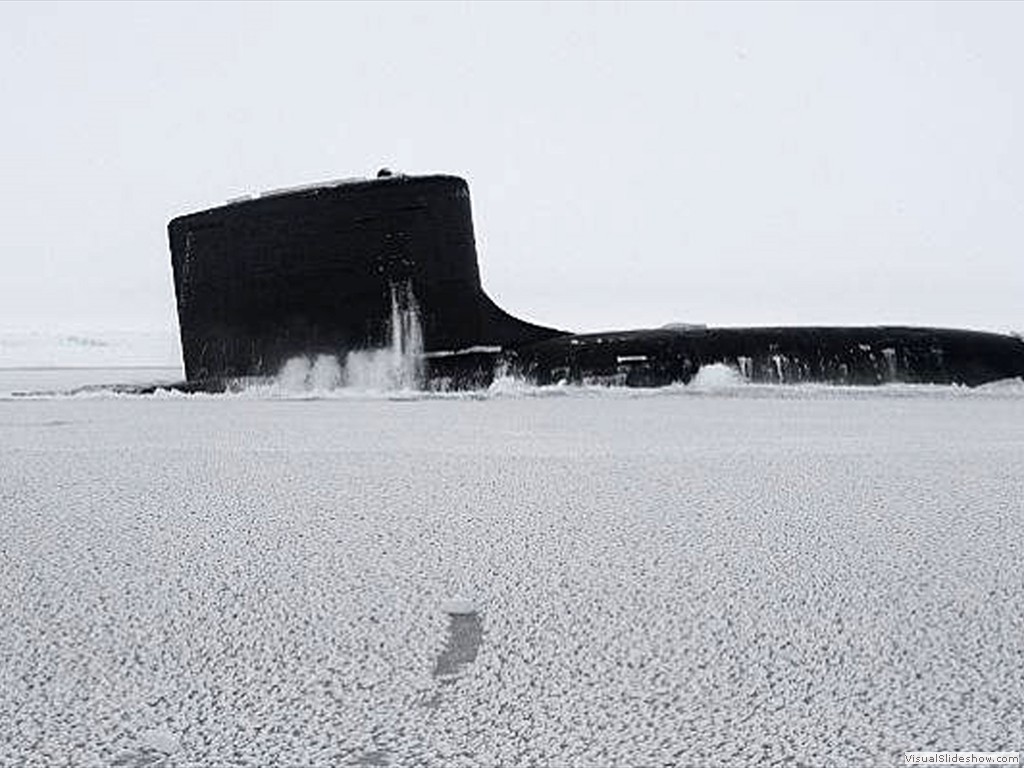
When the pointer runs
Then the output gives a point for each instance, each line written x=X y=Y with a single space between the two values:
x=324 y=269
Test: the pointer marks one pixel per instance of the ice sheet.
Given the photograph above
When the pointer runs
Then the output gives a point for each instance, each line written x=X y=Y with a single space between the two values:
x=704 y=578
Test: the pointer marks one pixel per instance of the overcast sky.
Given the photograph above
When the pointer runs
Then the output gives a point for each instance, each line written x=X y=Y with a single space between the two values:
x=629 y=165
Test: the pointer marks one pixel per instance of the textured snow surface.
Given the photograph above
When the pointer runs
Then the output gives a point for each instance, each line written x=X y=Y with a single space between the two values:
x=582 y=580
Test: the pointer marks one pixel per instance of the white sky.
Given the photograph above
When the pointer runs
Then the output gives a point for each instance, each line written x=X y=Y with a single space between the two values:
x=630 y=165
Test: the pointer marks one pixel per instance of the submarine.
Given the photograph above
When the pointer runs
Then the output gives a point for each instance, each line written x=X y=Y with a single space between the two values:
x=361 y=264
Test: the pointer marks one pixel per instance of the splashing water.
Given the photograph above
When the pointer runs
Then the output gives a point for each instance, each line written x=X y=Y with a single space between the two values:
x=294 y=375
x=300 y=374
x=396 y=367
x=325 y=373
x=716 y=376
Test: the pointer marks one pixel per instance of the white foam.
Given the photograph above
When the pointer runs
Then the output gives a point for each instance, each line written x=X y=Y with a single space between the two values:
x=716 y=376
x=325 y=374
x=294 y=375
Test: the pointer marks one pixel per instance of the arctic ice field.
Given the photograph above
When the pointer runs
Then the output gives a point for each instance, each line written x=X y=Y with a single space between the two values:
x=301 y=573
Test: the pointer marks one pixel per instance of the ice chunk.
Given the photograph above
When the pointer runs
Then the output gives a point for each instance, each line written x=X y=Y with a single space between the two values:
x=458 y=606
x=161 y=740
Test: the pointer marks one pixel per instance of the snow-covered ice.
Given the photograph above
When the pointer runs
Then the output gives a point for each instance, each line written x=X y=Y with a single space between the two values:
x=723 y=575
x=89 y=348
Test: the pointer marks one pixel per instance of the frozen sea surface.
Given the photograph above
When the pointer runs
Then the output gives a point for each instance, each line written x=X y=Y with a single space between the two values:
x=713 y=576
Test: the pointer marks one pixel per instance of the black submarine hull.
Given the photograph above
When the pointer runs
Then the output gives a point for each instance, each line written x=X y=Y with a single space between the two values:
x=854 y=356
x=325 y=269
